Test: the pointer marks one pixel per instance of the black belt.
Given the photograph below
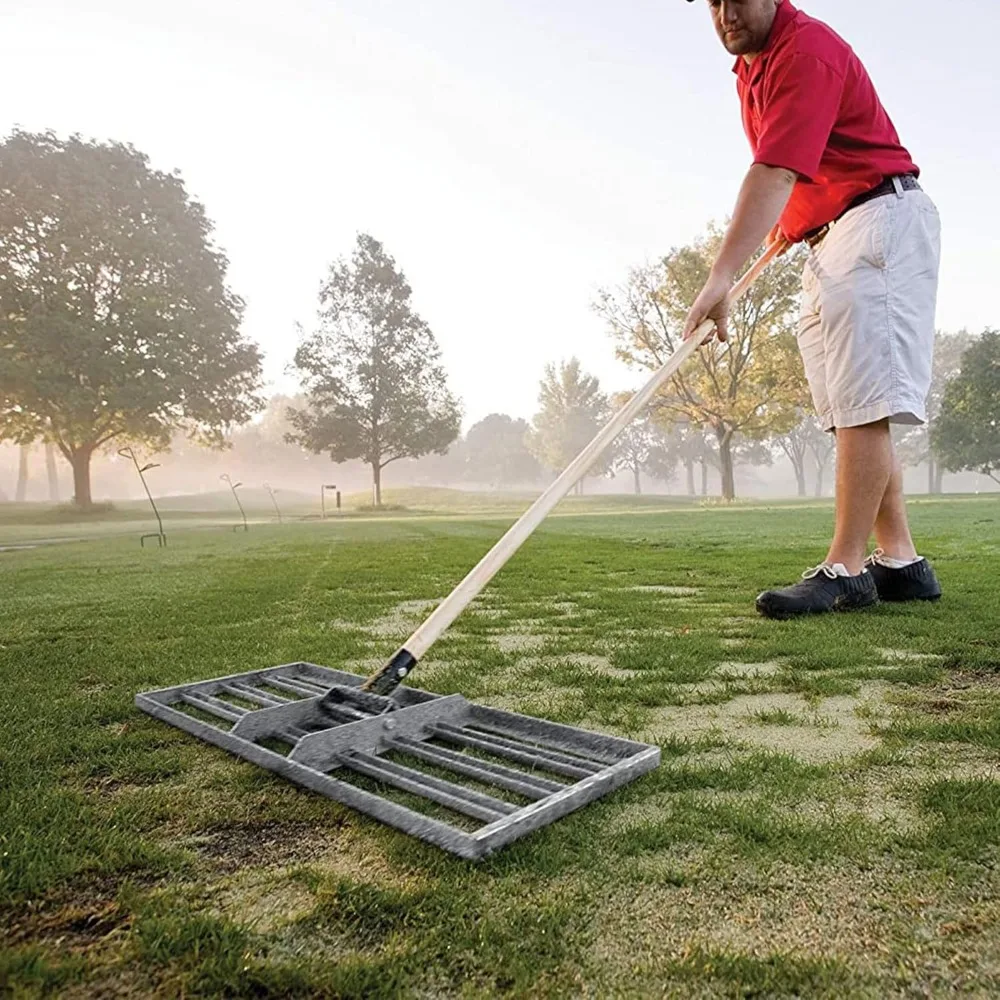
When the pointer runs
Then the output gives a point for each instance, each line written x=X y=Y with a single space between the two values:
x=908 y=182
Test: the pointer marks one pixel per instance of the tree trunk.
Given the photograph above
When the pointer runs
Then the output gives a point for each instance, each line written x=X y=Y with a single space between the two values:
x=689 y=466
x=50 y=468
x=820 y=469
x=726 y=465
x=638 y=482
x=800 y=474
x=376 y=484
x=81 y=477
x=704 y=478
x=22 y=474
x=938 y=478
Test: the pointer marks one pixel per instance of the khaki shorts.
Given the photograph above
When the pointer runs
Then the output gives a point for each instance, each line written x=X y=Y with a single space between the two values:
x=866 y=332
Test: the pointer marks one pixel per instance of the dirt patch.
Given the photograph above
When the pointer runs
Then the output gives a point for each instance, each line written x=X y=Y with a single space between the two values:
x=264 y=902
x=518 y=642
x=396 y=624
x=401 y=621
x=852 y=913
x=73 y=925
x=487 y=612
x=831 y=730
x=268 y=845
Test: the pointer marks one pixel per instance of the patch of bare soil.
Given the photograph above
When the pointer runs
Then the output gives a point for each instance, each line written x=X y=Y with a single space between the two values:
x=882 y=919
x=831 y=730
x=237 y=846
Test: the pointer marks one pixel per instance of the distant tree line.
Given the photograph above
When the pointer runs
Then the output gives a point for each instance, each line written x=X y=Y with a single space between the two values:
x=117 y=327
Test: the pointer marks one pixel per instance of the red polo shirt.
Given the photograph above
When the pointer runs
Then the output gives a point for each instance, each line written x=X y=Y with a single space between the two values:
x=810 y=106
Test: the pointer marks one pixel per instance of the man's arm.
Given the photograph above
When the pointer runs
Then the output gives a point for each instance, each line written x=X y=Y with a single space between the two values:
x=763 y=197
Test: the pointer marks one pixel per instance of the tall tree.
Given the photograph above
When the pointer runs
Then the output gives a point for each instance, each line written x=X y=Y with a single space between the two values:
x=663 y=457
x=749 y=386
x=21 y=492
x=914 y=444
x=497 y=452
x=967 y=432
x=800 y=442
x=572 y=409
x=50 y=471
x=693 y=448
x=375 y=388
x=646 y=445
x=115 y=319
x=795 y=446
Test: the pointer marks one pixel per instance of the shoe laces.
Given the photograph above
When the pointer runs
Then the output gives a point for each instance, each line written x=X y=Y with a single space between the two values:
x=875 y=559
x=825 y=568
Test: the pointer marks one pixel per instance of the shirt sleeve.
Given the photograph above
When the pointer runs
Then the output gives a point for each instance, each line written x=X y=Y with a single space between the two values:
x=801 y=102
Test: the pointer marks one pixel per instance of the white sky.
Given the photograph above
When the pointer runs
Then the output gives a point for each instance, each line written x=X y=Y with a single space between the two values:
x=514 y=155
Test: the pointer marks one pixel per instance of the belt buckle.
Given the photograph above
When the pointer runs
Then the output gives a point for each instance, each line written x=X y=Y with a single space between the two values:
x=817 y=237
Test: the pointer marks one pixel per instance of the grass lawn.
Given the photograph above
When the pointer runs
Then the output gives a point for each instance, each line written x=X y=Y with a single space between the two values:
x=826 y=821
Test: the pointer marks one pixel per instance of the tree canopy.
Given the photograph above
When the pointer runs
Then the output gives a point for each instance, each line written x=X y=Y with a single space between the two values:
x=967 y=432
x=914 y=444
x=497 y=452
x=750 y=386
x=371 y=372
x=571 y=411
x=115 y=318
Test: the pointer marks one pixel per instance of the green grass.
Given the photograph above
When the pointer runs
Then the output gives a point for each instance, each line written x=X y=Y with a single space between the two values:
x=824 y=822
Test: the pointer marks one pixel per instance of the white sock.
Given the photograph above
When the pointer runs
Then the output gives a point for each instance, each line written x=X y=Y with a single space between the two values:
x=891 y=563
x=839 y=568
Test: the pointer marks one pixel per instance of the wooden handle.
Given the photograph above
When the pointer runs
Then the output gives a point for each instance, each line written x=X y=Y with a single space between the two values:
x=460 y=598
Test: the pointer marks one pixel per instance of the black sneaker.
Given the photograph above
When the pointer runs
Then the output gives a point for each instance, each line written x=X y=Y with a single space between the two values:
x=822 y=589
x=915 y=582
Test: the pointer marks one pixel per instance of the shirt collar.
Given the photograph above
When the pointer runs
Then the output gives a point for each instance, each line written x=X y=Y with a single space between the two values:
x=782 y=18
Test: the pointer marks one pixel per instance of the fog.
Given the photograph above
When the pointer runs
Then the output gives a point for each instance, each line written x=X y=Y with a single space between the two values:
x=514 y=157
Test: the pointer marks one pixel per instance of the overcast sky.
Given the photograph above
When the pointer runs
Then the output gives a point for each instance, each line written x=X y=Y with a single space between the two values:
x=514 y=156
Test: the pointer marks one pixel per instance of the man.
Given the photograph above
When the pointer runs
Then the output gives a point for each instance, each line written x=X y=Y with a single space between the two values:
x=829 y=170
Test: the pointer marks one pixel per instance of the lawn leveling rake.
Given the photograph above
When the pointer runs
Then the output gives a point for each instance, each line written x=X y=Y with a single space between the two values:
x=466 y=778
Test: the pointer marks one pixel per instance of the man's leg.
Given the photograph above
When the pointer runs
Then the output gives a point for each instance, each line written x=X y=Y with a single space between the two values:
x=892 y=527
x=864 y=473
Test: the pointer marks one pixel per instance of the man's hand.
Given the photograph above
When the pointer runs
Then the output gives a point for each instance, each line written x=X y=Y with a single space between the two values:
x=712 y=303
x=777 y=236
x=763 y=197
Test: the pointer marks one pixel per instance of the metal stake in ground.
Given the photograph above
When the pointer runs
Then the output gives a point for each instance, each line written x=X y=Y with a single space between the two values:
x=386 y=680
x=322 y=497
x=277 y=509
x=161 y=538
x=233 y=487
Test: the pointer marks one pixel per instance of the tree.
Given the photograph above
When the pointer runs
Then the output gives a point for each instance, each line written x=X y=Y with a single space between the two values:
x=665 y=451
x=51 y=472
x=115 y=319
x=646 y=445
x=497 y=452
x=967 y=432
x=375 y=388
x=572 y=411
x=822 y=444
x=749 y=386
x=21 y=492
x=633 y=448
x=913 y=444
x=807 y=438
